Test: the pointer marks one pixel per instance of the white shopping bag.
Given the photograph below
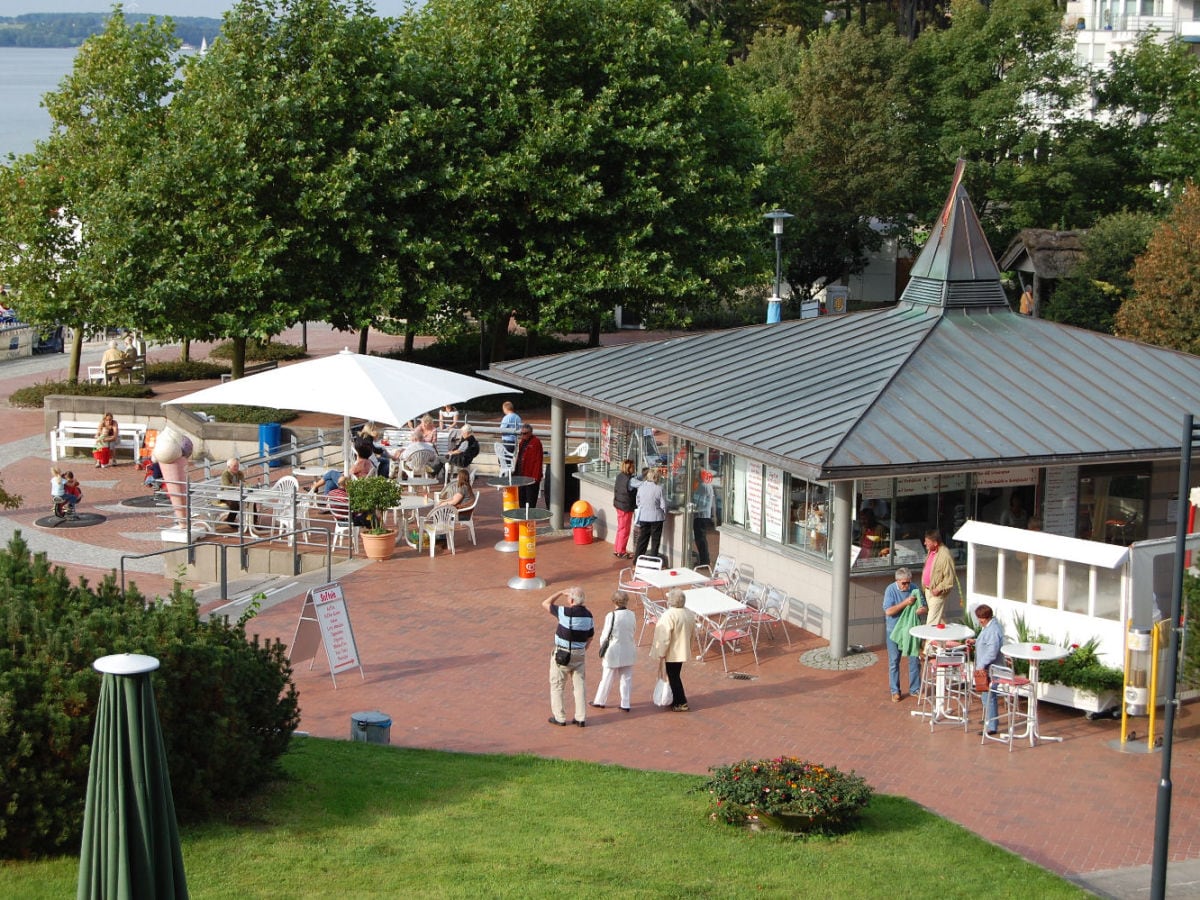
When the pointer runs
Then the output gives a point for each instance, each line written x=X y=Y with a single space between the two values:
x=662 y=693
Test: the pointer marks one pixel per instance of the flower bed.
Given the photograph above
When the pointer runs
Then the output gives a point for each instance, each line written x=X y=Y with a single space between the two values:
x=786 y=792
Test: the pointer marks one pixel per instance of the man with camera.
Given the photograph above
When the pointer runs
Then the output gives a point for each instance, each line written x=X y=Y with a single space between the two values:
x=572 y=636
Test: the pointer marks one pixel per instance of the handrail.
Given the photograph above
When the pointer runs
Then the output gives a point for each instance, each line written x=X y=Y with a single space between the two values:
x=242 y=547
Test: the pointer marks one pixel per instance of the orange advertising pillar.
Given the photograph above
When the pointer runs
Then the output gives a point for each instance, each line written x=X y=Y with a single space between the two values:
x=510 y=525
x=527 y=550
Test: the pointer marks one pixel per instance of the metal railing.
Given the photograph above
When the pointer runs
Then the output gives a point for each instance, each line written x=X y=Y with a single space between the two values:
x=243 y=548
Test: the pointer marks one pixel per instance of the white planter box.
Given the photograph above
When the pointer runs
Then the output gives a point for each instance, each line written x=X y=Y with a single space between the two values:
x=1088 y=701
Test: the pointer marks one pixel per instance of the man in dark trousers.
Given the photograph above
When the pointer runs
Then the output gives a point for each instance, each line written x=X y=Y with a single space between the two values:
x=531 y=461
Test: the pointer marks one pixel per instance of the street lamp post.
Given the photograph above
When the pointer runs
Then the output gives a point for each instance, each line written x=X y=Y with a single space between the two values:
x=775 y=304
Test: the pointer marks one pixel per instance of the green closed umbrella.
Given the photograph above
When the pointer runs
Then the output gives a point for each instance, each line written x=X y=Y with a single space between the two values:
x=130 y=836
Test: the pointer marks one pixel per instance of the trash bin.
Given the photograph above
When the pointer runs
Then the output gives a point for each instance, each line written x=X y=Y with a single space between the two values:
x=581 y=520
x=371 y=727
x=270 y=438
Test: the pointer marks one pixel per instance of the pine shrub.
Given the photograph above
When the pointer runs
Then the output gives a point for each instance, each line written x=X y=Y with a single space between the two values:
x=226 y=702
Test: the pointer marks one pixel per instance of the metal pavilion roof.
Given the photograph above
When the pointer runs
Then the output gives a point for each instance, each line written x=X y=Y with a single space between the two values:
x=949 y=379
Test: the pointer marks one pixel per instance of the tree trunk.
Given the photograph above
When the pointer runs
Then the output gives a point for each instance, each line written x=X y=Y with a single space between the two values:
x=185 y=350
x=237 y=365
x=594 y=331
x=362 y=339
x=76 y=355
x=410 y=340
x=500 y=337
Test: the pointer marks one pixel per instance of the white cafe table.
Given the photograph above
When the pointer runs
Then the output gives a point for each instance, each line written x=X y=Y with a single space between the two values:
x=406 y=514
x=419 y=481
x=311 y=471
x=944 y=632
x=712 y=605
x=1035 y=653
x=663 y=579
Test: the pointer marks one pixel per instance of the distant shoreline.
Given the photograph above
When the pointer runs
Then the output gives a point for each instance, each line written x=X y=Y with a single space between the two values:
x=68 y=31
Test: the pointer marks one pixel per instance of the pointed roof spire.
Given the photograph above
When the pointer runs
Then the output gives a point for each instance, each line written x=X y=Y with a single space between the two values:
x=956 y=268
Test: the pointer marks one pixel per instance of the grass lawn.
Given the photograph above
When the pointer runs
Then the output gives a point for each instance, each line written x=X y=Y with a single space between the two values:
x=358 y=820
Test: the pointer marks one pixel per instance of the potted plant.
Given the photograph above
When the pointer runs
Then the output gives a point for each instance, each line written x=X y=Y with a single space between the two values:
x=786 y=793
x=370 y=498
x=1079 y=680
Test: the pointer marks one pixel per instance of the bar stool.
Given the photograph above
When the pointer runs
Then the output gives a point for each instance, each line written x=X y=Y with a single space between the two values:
x=1010 y=689
x=950 y=667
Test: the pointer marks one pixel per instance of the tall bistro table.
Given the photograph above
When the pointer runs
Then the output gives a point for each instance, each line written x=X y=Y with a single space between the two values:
x=508 y=485
x=1035 y=653
x=945 y=632
x=526 y=519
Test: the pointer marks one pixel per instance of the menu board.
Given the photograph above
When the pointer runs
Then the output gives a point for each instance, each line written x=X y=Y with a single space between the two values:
x=606 y=441
x=774 y=508
x=912 y=485
x=1062 y=498
x=754 y=498
x=1021 y=475
x=325 y=621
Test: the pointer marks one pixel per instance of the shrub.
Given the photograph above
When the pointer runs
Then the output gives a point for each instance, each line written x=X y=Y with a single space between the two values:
x=248 y=415
x=805 y=795
x=373 y=496
x=256 y=351
x=227 y=703
x=1081 y=668
x=34 y=396
x=184 y=370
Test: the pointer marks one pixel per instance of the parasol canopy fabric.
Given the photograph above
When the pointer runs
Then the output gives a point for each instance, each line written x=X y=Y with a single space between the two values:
x=130 y=844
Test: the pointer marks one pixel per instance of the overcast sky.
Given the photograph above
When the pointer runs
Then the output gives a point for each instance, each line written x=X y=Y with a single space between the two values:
x=210 y=8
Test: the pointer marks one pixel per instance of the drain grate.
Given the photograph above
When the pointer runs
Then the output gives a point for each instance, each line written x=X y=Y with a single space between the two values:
x=742 y=676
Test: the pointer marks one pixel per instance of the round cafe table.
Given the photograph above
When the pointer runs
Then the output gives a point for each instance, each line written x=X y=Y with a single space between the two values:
x=1035 y=653
x=526 y=518
x=508 y=484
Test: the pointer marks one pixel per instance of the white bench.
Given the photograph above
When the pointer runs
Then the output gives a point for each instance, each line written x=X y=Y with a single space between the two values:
x=71 y=433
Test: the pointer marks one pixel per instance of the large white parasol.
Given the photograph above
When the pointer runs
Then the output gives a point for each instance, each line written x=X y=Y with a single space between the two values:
x=351 y=385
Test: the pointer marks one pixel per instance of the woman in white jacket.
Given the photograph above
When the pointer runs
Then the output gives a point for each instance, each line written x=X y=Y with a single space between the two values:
x=619 y=626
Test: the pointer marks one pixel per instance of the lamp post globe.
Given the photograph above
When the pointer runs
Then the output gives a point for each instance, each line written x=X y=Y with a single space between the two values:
x=775 y=305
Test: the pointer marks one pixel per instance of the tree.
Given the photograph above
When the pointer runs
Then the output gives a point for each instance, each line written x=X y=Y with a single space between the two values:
x=838 y=125
x=597 y=154
x=997 y=88
x=1090 y=296
x=64 y=219
x=1149 y=104
x=1165 y=306
x=270 y=196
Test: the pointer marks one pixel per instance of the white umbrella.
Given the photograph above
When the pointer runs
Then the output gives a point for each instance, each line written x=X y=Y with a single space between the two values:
x=351 y=385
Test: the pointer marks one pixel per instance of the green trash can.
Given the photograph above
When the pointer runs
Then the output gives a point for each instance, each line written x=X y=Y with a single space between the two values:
x=270 y=438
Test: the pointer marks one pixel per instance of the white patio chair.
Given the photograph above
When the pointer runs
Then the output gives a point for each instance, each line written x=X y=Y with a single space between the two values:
x=772 y=610
x=284 y=512
x=652 y=610
x=647 y=562
x=419 y=463
x=1010 y=689
x=732 y=632
x=466 y=518
x=722 y=573
x=633 y=586
x=504 y=458
x=440 y=522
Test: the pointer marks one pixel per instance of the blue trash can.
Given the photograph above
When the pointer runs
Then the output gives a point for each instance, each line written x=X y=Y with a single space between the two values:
x=270 y=438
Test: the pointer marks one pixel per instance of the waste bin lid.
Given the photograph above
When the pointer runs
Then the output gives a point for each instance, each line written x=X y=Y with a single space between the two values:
x=363 y=719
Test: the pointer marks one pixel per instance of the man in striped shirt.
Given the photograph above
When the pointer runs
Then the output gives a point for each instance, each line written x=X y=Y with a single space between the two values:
x=572 y=636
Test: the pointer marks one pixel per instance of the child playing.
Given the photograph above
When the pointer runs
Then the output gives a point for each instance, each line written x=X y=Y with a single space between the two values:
x=57 y=483
x=72 y=490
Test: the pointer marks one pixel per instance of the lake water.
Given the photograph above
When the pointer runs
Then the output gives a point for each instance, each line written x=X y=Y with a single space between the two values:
x=26 y=73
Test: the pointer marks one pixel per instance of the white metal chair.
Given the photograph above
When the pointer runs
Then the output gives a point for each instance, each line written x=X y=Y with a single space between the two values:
x=953 y=681
x=504 y=458
x=730 y=632
x=633 y=586
x=753 y=594
x=440 y=522
x=743 y=577
x=722 y=573
x=647 y=562
x=652 y=611
x=772 y=610
x=1010 y=689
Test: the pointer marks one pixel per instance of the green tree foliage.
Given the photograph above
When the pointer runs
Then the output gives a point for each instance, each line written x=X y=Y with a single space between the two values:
x=270 y=193
x=1165 y=306
x=836 y=122
x=226 y=702
x=1091 y=295
x=597 y=154
x=995 y=88
x=1149 y=103
x=740 y=22
x=64 y=219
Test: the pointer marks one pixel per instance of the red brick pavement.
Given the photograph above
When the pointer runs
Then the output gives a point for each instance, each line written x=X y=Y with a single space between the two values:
x=460 y=662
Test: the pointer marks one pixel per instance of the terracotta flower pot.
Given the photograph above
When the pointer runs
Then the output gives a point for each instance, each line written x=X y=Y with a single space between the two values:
x=379 y=546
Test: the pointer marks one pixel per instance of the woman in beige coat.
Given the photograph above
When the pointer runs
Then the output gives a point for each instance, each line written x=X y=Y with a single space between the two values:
x=672 y=644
